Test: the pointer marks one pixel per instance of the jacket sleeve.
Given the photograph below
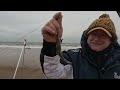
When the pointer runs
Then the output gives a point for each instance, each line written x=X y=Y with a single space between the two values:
x=53 y=69
x=52 y=65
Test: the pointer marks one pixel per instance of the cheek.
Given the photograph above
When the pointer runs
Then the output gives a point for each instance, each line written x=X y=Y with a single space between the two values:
x=107 y=43
x=89 y=40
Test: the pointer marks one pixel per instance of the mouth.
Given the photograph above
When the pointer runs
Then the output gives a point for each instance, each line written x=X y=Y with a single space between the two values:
x=98 y=43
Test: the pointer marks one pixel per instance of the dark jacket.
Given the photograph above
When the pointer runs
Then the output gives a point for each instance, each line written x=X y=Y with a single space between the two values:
x=84 y=65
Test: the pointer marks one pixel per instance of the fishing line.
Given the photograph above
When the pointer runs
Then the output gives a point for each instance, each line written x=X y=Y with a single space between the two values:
x=23 y=51
x=1 y=51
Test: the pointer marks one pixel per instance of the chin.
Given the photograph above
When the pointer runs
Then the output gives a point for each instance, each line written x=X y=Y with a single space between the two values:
x=96 y=49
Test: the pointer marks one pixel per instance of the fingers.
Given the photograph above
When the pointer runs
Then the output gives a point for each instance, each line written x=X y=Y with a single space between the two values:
x=58 y=16
x=50 y=24
x=55 y=23
x=48 y=30
x=60 y=24
x=54 y=26
x=59 y=19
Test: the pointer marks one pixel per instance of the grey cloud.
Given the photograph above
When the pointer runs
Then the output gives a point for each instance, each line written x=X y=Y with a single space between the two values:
x=16 y=24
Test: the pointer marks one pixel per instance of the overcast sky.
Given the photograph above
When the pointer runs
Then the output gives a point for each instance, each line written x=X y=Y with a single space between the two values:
x=15 y=24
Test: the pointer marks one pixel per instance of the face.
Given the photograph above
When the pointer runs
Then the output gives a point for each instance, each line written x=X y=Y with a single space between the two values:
x=98 y=40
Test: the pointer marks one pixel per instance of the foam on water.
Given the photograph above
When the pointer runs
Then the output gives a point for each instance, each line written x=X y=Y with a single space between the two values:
x=16 y=46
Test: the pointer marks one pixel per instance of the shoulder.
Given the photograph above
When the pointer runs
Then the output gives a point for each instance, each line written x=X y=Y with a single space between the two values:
x=72 y=52
x=77 y=50
x=116 y=54
x=117 y=50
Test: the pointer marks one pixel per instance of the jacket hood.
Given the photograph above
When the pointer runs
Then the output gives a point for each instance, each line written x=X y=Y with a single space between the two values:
x=84 y=44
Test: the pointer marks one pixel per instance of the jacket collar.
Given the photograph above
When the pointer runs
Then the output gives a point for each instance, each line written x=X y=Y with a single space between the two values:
x=109 y=54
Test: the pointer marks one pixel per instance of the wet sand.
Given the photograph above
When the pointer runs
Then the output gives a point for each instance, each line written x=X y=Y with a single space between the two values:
x=31 y=69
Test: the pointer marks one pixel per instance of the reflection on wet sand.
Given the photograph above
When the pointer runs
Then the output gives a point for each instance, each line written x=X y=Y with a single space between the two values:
x=31 y=68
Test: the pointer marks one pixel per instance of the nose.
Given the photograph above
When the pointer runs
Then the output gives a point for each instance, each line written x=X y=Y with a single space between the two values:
x=96 y=38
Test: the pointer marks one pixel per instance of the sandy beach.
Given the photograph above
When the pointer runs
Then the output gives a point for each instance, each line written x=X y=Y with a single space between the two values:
x=28 y=68
x=31 y=69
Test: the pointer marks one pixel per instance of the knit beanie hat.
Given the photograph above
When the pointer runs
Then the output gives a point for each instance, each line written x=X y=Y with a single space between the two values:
x=103 y=23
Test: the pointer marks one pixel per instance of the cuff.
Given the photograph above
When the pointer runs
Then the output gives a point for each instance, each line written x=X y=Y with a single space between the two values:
x=49 y=48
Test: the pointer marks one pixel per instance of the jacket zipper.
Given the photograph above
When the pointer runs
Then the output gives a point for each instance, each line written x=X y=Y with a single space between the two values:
x=98 y=69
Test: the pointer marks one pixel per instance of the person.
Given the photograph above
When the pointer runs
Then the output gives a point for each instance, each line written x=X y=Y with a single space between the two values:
x=98 y=57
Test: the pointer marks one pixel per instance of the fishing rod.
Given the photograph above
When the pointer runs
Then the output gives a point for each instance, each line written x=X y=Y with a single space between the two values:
x=19 y=39
x=2 y=50
x=25 y=42
x=22 y=53
x=18 y=63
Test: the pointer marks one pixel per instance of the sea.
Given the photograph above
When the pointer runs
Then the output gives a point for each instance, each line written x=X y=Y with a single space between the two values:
x=16 y=64
x=64 y=46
